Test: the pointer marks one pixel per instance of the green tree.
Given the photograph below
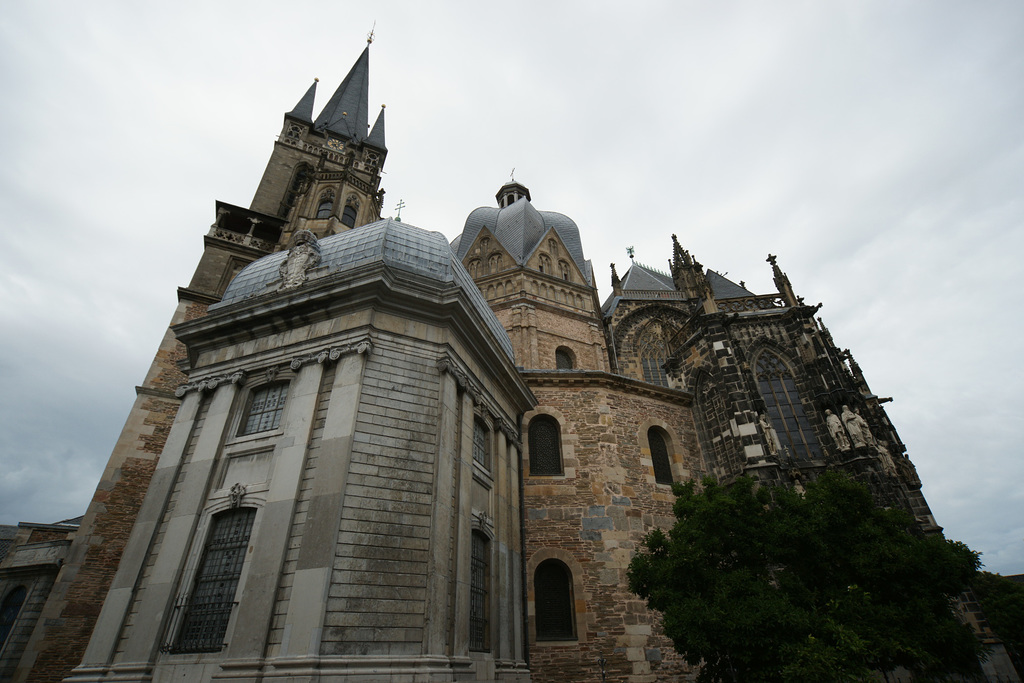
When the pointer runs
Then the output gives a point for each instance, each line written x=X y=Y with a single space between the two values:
x=1002 y=601
x=767 y=585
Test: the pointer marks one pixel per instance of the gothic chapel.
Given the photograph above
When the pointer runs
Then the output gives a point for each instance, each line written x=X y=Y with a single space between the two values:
x=362 y=453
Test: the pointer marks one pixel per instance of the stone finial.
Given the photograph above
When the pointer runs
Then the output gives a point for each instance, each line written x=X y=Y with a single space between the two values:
x=616 y=282
x=303 y=254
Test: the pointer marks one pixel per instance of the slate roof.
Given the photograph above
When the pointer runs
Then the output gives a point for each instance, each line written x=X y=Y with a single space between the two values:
x=304 y=108
x=398 y=245
x=376 y=137
x=642 y=277
x=346 y=112
x=520 y=228
x=725 y=288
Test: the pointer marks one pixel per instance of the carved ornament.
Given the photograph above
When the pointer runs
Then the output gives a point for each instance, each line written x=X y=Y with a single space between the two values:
x=210 y=383
x=332 y=353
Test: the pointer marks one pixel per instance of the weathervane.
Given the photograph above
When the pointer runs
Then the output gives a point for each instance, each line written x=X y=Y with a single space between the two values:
x=630 y=251
x=369 y=36
x=399 y=207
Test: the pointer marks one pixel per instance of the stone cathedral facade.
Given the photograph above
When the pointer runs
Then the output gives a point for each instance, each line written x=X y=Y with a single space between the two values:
x=365 y=454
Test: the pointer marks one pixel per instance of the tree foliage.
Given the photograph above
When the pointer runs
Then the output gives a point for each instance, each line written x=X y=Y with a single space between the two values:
x=1002 y=601
x=767 y=585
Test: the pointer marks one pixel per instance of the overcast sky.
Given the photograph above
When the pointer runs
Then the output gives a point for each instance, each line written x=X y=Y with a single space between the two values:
x=877 y=147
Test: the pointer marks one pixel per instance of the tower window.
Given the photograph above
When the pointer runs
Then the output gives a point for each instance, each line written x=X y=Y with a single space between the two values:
x=9 y=610
x=324 y=210
x=563 y=358
x=659 y=456
x=553 y=602
x=265 y=409
x=777 y=387
x=653 y=352
x=209 y=606
x=564 y=268
x=348 y=216
x=478 y=580
x=480 y=450
x=545 y=446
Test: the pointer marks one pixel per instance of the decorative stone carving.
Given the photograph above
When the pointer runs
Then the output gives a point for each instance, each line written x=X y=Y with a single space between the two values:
x=857 y=427
x=210 y=383
x=303 y=254
x=835 y=428
x=908 y=473
x=771 y=437
x=332 y=354
x=237 y=494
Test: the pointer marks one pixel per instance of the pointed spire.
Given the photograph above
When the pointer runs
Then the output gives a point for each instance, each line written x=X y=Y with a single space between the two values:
x=346 y=111
x=782 y=283
x=304 y=109
x=377 y=134
x=616 y=282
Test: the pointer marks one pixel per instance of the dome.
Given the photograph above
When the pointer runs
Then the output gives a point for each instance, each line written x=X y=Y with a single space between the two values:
x=395 y=244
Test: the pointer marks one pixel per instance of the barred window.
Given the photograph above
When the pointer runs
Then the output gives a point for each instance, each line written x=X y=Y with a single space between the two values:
x=545 y=446
x=348 y=216
x=659 y=456
x=213 y=596
x=553 y=602
x=9 y=610
x=480 y=450
x=265 y=409
x=478 y=636
x=777 y=386
x=563 y=358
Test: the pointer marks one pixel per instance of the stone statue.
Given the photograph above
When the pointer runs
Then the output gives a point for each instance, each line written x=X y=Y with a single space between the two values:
x=857 y=427
x=303 y=255
x=835 y=428
x=771 y=437
x=909 y=473
x=887 y=463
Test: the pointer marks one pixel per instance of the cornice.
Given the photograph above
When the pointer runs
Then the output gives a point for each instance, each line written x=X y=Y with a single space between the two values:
x=579 y=379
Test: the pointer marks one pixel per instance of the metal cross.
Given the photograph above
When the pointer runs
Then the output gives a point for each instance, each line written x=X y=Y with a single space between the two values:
x=630 y=251
x=399 y=207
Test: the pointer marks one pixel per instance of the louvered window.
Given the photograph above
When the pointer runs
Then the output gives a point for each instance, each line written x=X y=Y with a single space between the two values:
x=659 y=457
x=778 y=389
x=552 y=589
x=209 y=606
x=478 y=639
x=545 y=446
x=265 y=409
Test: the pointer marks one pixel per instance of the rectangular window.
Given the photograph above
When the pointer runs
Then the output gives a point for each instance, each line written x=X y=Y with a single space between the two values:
x=265 y=409
x=478 y=639
x=213 y=596
x=480 y=434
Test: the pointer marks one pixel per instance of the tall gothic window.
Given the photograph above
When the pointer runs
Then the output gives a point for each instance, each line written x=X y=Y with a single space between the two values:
x=653 y=352
x=265 y=409
x=659 y=456
x=213 y=596
x=545 y=446
x=9 y=610
x=478 y=575
x=553 y=602
x=480 y=449
x=777 y=386
x=348 y=216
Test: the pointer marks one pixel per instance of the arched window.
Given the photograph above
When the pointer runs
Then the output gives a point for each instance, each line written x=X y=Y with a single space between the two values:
x=480 y=450
x=9 y=610
x=659 y=456
x=324 y=210
x=213 y=595
x=265 y=408
x=564 y=268
x=474 y=267
x=777 y=386
x=348 y=216
x=545 y=264
x=495 y=263
x=479 y=574
x=545 y=446
x=563 y=358
x=553 y=601
x=652 y=349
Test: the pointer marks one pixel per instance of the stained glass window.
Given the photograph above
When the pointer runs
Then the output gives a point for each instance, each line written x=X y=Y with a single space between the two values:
x=777 y=386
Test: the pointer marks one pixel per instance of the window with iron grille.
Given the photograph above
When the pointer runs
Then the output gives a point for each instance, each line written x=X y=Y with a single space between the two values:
x=553 y=602
x=563 y=358
x=478 y=636
x=777 y=386
x=659 y=456
x=265 y=409
x=480 y=449
x=213 y=596
x=545 y=446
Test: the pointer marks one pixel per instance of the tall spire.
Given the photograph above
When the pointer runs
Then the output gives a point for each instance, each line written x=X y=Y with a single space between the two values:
x=377 y=134
x=346 y=111
x=304 y=109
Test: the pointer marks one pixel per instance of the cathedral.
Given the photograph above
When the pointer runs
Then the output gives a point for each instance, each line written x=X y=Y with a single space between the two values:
x=363 y=453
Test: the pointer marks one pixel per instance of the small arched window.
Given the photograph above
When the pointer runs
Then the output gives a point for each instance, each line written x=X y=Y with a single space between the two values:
x=545 y=264
x=324 y=210
x=474 y=267
x=348 y=216
x=479 y=574
x=563 y=358
x=545 y=446
x=9 y=610
x=659 y=456
x=777 y=386
x=564 y=268
x=553 y=601
x=495 y=262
